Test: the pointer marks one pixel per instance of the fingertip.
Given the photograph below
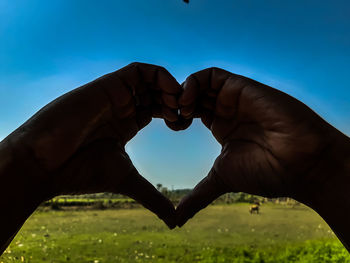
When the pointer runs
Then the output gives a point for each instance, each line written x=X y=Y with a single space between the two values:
x=171 y=224
x=170 y=216
x=180 y=219
x=138 y=188
x=180 y=124
x=157 y=111
x=185 y=210
x=205 y=192
x=190 y=92
x=169 y=114
x=188 y=111
x=167 y=83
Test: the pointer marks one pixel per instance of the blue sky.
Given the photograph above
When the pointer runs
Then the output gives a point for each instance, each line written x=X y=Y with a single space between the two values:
x=50 y=47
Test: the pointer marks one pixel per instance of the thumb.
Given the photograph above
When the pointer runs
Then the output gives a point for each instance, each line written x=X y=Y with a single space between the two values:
x=180 y=124
x=139 y=189
x=104 y=166
x=205 y=192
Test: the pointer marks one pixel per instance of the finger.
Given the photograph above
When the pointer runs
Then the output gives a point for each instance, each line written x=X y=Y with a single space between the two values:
x=207 y=81
x=116 y=90
x=141 y=78
x=104 y=166
x=157 y=76
x=164 y=88
x=130 y=76
x=167 y=83
x=143 y=117
x=157 y=111
x=202 y=84
x=138 y=188
x=207 y=117
x=170 y=100
x=218 y=77
x=139 y=83
x=228 y=99
x=188 y=98
x=169 y=114
x=188 y=111
x=180 y=124
x=205 y=192
x=191 y=90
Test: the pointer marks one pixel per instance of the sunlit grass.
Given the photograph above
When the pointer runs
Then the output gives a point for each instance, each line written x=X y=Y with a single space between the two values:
x=221 y=233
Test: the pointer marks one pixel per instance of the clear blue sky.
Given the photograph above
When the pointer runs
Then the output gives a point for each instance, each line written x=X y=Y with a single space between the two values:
x=50 y=47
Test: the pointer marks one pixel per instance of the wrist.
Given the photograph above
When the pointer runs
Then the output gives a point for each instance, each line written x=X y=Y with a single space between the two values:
x=331 y=170
x=329 y=194
x=20 y=173
x=20 y=192
x=334 y=171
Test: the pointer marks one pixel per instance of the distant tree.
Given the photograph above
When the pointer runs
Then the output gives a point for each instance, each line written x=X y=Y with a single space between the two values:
x=159 y=187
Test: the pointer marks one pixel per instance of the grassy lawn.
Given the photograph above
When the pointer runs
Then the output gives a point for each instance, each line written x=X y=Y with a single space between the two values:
x=221 y=233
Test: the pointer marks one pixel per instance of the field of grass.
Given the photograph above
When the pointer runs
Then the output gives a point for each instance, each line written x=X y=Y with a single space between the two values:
x=221 y=233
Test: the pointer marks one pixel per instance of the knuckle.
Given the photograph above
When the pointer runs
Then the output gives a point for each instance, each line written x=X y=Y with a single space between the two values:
x=237 y=81
x=220 y=73
x=162 y=69
x=216 y=69
x=134 y=64
x=191 y=77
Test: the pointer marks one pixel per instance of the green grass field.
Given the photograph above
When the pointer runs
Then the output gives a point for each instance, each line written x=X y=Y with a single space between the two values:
x=221 y=233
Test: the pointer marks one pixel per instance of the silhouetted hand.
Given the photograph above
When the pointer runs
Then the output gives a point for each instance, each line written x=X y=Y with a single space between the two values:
x=75 y=144
x=272 y=144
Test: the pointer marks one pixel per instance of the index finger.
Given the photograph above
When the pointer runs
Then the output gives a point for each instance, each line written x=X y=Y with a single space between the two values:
x=201 y=88
x=205 y=192
x=139 y=189
x=159 y=83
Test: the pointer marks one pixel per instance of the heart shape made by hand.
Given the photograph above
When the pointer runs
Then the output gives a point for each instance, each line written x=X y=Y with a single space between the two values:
x=76 y=144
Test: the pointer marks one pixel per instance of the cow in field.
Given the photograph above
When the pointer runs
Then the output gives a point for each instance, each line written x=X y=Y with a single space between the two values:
x=254 y=208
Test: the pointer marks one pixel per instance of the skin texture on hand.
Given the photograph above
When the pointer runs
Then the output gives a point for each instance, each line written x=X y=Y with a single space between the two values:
x=272 y=144
x=76 y=142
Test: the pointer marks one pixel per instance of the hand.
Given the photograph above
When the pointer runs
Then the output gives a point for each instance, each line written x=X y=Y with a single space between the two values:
x=272 y=144
x=76 y=144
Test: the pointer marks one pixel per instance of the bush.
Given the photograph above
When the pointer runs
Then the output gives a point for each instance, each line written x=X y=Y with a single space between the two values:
x=99 y=205
x=55 y=206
